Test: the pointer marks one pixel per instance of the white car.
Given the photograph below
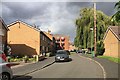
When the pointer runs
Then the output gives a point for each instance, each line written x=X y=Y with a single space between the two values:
x=5 y=70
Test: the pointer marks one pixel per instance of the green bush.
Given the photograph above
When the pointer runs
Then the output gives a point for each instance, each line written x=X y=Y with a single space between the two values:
x=15 y=59
x=100 y=48
x=117 y=60
x=32 y=59
x=11 y=60
x=25 y=58
x=51 y=54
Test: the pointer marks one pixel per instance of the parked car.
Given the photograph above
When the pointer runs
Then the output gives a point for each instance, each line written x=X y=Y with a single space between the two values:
x=5 y=71
x=68 y=52
x=2 y=55
x=62 y=55
x=79 y=51
x=73 y=50
x=5 y=68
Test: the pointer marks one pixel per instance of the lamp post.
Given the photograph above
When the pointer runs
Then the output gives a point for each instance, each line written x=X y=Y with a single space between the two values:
x=92 y=54
x=95 y=28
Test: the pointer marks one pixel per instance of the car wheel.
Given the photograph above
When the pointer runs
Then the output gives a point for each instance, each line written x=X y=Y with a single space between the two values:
x=5 y=76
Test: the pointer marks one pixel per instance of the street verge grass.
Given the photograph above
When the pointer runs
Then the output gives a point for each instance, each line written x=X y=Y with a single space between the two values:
x=88 y=55
x=116 y=60
x=72 y=53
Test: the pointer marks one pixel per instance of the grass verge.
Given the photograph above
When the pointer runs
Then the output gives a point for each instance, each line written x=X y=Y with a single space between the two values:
x=116 y=60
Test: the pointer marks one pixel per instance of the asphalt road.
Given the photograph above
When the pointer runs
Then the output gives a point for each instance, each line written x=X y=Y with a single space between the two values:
x=79 y=67
x=112 y=69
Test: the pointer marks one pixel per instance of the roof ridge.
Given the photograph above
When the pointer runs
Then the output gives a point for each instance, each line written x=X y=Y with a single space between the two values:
x=115 y=32
x=110 y=28
x=31 y=26
x=2 y=21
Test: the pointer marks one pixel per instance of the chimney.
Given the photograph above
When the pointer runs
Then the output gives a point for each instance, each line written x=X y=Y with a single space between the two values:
x=34 y=26
x=49 y=31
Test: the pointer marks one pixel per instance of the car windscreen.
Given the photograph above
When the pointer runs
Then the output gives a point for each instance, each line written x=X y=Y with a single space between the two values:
x=62 y=52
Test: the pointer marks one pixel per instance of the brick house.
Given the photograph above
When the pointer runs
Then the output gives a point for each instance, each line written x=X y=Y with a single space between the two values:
x=53 y=43
x=112 y=41
x=25 y=39
x=62 y=41
x=3 y=34
x=72 y=47
x=45 y=41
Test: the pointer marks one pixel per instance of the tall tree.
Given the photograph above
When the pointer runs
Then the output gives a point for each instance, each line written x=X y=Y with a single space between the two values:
x=85 y=22
x=116 y=16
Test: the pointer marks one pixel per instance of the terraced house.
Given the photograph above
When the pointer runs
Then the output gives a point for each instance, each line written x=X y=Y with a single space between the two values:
x=25 y=39
x=112 y=41
x=3 y=34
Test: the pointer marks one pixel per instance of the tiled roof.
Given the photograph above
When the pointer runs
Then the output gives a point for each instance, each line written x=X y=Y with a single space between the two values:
x=19 y=21
x=115 y=30
x=49 y=35
x=2 y=21
x=60 y=35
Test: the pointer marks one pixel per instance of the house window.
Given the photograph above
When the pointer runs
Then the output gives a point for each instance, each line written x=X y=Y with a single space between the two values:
x=41 y=36
x=0 y=46
x=47 y=49
x=62 y=44
x=2 y=32
x=62 y=39
x=3 y=46
x=45 y=38
x=58 y=39
x=63 y=47
x=0 y=42
x=43 y=48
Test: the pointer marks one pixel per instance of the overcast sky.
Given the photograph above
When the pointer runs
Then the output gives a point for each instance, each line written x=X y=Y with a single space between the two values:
x=59 y=17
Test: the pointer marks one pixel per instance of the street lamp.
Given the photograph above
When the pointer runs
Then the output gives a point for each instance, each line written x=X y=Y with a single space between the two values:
x=91 y=29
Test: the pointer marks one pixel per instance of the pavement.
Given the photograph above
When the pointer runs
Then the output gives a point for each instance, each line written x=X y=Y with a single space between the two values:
x=19 y=64
x=27 y=68
x=111 y=68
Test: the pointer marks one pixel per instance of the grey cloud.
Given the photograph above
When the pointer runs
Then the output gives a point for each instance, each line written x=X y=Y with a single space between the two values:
x=106 y=7
x=81 y=4
x=24 y=10
x=59 y=17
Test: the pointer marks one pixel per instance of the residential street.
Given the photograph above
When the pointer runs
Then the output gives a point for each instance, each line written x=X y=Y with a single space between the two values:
x=60 y=39
x=79 y=67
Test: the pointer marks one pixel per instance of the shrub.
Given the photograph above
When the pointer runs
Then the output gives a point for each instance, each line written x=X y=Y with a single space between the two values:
x=31 y=59
x=100 y=48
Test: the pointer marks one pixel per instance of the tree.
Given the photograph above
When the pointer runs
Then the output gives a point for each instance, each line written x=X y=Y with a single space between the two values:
x=116 y=16
x=100 y=48
x=85 y=22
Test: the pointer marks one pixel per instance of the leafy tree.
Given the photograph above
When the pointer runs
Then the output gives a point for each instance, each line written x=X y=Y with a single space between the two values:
x=85 y=22
x=116 y=16
x=100 y=48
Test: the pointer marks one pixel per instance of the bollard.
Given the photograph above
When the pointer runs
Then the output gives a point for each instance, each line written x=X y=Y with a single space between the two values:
x=37 y=58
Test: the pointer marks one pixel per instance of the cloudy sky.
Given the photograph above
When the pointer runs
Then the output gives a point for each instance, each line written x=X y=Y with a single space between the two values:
x=59 y=17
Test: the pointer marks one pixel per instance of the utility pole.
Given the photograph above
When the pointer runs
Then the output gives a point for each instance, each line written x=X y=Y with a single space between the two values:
x=94 y=28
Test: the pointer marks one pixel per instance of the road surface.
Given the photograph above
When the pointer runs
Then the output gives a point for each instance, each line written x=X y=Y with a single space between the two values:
x=79 y=67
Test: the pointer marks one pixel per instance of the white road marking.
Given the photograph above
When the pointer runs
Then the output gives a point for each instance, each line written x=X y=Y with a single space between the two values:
x=104 y=72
